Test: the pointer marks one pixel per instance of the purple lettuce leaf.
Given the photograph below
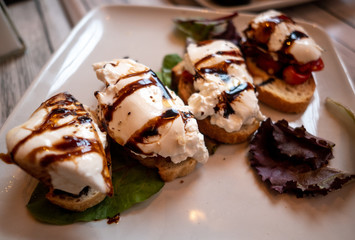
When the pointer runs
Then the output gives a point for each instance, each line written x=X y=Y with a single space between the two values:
x=294 y=161
x=205 y=29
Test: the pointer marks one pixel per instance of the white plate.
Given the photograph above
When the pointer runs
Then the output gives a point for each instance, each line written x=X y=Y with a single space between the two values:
x=254 y=5
x=223 y=199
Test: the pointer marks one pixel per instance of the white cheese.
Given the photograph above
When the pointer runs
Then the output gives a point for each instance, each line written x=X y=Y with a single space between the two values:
x=177 y=139
x=210 y=86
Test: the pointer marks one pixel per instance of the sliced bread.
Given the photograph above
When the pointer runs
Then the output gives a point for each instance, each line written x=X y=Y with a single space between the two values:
x=280 y=95
x=168 y=170
x=87 y=198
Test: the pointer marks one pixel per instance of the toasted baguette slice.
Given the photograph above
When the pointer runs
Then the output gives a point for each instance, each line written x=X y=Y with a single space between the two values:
x=79 y=203
x=167 y=170
x=185 y=89
x=220 y=135
x=280 y=95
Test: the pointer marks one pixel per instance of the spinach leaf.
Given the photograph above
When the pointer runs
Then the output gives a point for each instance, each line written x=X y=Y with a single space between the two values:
x=169 y=61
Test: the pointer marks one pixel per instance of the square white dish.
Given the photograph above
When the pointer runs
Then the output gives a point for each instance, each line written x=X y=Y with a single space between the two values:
x=224 y=199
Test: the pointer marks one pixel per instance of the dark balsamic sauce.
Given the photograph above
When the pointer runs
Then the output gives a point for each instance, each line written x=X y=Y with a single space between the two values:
x=295 y=35
x=220 y=68
x=150 y=129
x=114 y=219
x=6 y=158
x=224 y=53
x=227 y=97
x=71 y=146
x=234 y=92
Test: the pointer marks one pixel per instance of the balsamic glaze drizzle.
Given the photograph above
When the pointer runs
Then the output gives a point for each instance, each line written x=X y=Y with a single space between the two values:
x=227 y=97
x=151 y=129
x=129 y=89
x=295 y=35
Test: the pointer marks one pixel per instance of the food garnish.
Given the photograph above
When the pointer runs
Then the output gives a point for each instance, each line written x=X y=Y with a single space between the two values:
x=201 y=29
x=291 y=160
x=169 y=61
x=343 y=109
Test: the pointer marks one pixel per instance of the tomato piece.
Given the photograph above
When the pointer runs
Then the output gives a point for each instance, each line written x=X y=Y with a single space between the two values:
x=188 y=77
x=316 y=65
x=291 y=76
x=268 y=65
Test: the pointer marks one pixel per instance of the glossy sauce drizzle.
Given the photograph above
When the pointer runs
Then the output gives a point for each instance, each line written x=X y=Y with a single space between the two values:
x=151 y=129
x=6 y=158
x=114 y=219
x=227 y=97
x=295 y=35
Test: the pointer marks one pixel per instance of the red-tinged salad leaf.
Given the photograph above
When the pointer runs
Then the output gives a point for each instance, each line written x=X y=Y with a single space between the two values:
x=205 y=29
x=133 y=183
x=291 y=160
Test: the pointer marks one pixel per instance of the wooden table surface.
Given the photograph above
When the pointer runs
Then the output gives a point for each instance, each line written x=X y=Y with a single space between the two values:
x=45 y=24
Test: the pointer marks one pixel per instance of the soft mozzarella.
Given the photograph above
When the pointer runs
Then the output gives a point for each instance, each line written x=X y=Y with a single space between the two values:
x=141 y=114
x=62 y=145
x=224 y=90
x=303 y=49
